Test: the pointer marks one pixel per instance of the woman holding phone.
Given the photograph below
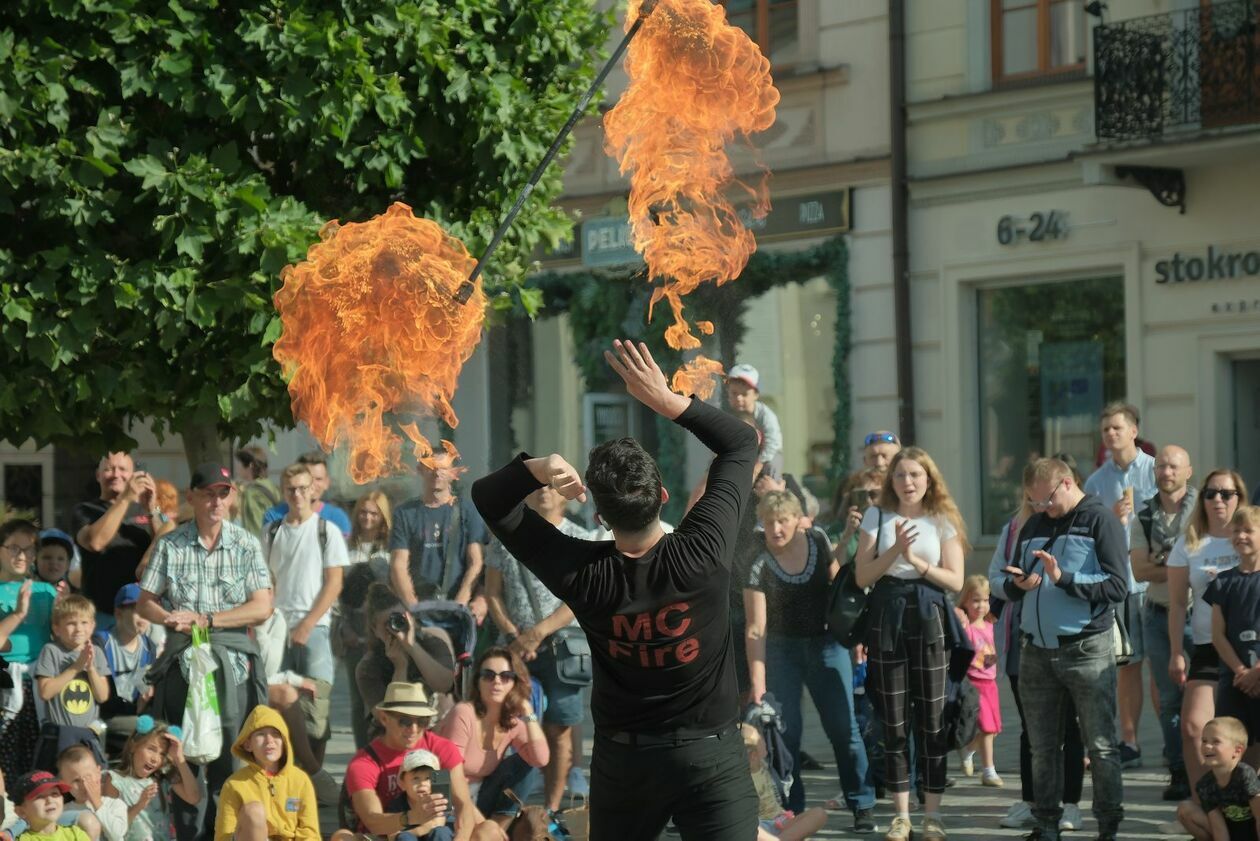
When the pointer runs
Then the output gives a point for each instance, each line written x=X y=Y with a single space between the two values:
x=1198 y=556
x=499 y=716
x=911 y=551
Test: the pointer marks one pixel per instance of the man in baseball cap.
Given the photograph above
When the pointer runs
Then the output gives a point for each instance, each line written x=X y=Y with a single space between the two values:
x=211 y=474
x=743 y=390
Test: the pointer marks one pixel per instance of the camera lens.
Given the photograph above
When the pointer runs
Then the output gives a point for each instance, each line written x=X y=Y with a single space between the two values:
x=396 y=622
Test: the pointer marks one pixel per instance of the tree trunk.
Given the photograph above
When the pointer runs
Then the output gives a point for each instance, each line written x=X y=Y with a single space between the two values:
x=201 y=442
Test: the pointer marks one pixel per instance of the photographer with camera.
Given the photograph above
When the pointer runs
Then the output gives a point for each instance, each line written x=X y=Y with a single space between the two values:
x=399 y=652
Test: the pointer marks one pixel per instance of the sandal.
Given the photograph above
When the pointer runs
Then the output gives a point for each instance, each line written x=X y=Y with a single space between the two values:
x=836 y=804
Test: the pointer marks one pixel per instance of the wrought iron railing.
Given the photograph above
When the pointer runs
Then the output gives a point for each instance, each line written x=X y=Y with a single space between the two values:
x=1187 y=70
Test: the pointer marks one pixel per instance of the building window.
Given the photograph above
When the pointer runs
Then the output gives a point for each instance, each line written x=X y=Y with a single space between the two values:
x=1051 y=355
x=1034 y=38
x=772 y=24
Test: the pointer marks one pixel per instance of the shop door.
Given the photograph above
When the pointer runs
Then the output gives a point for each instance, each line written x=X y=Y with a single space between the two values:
x=1247 y=420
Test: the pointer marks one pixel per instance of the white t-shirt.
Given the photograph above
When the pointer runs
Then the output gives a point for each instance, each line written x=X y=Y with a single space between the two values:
x=1210 y=558
x=297 y=566
x=927 y=546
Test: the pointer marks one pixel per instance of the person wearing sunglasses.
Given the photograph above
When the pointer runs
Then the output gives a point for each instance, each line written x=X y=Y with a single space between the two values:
x=372 y=777
x=207 y=573
x=500 y=716
x=1202 y=553
x=1070 y=571
x=878 y=450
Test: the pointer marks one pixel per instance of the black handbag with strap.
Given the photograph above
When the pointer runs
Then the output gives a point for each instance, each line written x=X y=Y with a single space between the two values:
x=848 y=605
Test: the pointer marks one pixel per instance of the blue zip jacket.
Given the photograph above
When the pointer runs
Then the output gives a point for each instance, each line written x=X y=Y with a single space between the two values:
x=1089 y=544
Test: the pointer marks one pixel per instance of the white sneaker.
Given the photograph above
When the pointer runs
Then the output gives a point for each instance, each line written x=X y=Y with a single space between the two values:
x=968 y=763
x=1071 y=818
x=1173 y=829
x=990 y=778
x=1019 y=816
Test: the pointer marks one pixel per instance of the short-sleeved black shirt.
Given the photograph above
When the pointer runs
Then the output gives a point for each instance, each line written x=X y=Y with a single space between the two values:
x=1237 y=593
x=1234 y=800
x=796 y=605
x=105 y=573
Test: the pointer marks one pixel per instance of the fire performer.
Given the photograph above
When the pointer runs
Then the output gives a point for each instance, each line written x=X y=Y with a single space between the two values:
x=655 y=608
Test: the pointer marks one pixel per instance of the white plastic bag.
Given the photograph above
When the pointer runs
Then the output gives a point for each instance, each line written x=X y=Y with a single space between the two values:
x=203 y=722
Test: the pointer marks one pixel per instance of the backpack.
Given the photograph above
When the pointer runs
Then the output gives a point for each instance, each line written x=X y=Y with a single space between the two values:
x=347 y=818
x=767 y=717
x=274 y=527
x=848 y=605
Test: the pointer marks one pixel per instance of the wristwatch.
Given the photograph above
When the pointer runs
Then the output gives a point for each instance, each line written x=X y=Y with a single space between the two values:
x=209 y=621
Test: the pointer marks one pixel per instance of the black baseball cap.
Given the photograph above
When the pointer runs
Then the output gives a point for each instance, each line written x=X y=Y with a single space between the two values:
x=210 y=474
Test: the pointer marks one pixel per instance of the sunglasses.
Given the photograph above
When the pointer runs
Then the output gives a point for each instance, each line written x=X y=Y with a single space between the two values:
x=490 y=675
x=406 y=721
x=880 y=438
x=1224 y=493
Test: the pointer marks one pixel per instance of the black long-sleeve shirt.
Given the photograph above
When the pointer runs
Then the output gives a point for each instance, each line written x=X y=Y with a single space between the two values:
x=659 y=625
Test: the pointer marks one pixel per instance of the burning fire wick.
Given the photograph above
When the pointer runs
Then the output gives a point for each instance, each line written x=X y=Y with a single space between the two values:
x=465 y=290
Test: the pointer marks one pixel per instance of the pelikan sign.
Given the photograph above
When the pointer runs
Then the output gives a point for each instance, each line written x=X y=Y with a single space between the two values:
x=1217 y=264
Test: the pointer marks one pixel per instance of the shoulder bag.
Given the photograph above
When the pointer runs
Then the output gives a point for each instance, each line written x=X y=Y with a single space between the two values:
x=848 y=605
x=570 y=649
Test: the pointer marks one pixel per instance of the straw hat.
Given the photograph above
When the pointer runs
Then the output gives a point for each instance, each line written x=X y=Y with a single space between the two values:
x=408 y=699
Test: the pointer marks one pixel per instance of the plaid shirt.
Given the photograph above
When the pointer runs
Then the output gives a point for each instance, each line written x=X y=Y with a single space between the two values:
x=187 y=576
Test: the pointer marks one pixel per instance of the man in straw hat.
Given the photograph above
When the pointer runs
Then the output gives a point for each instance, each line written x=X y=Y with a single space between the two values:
x=656 y=611
x=372 y=775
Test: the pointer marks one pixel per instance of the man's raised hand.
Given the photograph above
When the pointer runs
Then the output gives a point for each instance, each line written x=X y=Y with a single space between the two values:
x=557 y=473
x=643 y=378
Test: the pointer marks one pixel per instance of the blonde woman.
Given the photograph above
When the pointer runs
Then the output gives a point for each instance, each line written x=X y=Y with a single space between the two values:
x=789 y=648
x=1198 y=556
x=911 y=551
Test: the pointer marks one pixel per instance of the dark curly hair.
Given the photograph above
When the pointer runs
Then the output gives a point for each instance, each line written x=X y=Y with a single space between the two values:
x=514 y=703
x=625 y=484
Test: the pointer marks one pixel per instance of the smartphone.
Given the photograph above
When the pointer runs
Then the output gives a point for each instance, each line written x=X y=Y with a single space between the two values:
x=1015 y=571
x=858 y=499
x=441 y=783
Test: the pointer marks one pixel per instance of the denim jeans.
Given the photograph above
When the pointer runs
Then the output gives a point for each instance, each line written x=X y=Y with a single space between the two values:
x=1085 y=671
x=1159 y=652
x=823 y=666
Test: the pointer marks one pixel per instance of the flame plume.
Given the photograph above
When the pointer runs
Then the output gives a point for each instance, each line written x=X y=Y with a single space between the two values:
x=696 y=84
x=697 y=377
x=372 y=328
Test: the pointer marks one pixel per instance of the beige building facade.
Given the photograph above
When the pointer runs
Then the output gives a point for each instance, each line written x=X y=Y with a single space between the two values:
x=1082 y=229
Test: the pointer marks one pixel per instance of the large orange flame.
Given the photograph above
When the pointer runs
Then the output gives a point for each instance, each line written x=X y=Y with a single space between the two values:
x=696 y=84
x=371 y=330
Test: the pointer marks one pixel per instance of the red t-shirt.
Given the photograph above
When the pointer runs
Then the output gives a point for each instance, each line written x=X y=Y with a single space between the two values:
x=364 y=772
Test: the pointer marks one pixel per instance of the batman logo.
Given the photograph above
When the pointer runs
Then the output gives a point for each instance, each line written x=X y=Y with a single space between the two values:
x=77 y=697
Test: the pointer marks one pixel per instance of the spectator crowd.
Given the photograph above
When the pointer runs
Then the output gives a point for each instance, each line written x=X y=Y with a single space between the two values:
x=468 y=677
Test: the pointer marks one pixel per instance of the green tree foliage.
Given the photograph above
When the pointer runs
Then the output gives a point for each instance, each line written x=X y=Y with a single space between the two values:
x=161 y=161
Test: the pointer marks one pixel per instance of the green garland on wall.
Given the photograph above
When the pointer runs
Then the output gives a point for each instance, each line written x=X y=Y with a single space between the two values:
x=604 y=304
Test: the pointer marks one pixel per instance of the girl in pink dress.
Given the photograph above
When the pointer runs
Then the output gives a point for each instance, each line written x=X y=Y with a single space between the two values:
x=973 y=610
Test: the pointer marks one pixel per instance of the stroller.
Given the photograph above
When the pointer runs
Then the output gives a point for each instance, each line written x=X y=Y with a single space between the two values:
x=767 y=717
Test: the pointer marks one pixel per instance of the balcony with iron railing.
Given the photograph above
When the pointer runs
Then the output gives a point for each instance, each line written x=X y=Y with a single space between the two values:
x=1177 y=75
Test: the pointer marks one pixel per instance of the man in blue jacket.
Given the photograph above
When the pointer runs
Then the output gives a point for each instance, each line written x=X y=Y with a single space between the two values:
x=1070 y=572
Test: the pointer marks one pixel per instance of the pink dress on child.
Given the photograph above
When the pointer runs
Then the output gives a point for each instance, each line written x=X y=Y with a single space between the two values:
x=983 y=675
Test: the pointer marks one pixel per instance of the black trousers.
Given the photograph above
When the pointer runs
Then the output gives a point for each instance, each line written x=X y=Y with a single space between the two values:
x=196 y=823
x=1073 y=753
x=704 y=785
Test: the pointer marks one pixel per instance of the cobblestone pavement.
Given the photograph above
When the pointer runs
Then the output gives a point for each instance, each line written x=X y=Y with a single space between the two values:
x=971 y=811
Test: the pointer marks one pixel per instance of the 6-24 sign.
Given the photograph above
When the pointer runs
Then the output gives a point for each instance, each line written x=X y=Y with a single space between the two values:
x=1040 y=226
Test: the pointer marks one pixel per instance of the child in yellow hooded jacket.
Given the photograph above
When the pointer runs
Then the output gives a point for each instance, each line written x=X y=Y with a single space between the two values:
x=269 y=797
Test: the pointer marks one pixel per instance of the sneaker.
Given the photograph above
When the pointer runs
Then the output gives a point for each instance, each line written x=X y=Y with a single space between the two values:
x=968 y=763
x=1172 y=828
x=327 y=790
x=864 y=820
x=933 y=830
x=1130 y=756
x=577 y=783
x=990 y=778
x=1178 y=786
x=1019 y=816
x=1071 y=819
x=556 y=826
x=1107 y=833
x=899 y=829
